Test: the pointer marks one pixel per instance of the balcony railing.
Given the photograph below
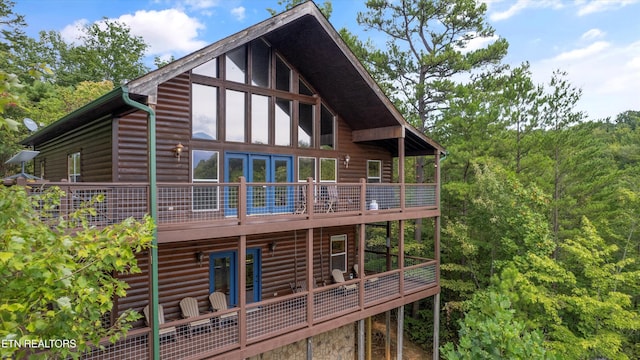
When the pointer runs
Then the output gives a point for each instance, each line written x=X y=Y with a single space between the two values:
x=238 y=202
x=268 y=319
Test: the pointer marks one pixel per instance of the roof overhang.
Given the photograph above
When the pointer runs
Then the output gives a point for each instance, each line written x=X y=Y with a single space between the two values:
x=109 y=104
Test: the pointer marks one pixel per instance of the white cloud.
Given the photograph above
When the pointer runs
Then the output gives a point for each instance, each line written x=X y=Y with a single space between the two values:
x=593 y=34
x=165 y=31
x=582 y=53
x=609 y=79
x=477 y=43
x=520 y=6
x=201 y=4
x=586 y=7
x=238 y=13
x=72 y=32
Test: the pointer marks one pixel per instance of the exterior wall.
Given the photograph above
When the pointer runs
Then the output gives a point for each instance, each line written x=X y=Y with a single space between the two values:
x=337 y=344
x=94 y=144
x=172 y=126
x=180 y=274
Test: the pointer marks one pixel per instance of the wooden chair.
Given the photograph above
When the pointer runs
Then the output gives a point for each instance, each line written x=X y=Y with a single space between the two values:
x=218 y=302
x=302 y=200
x=355 y=270
x=189 y=308
x=168 y=332
x=339 y=278
x=332 y=197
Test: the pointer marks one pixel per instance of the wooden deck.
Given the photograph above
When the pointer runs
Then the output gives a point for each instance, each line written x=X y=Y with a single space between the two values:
x=265 y=325
x=188 y=211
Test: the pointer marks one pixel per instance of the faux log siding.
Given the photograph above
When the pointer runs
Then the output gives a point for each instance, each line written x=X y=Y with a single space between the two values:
x=172 y=127
x=359 y=154
x=94 y=144
x=180 y=274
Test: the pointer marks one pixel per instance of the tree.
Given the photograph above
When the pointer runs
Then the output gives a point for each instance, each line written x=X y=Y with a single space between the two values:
x=559 y=115
x=107 y=51
x=56 y=273
x=428 y=45
x=490 y=331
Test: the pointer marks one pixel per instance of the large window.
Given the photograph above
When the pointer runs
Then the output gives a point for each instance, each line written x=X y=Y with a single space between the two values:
x=235 y=115
x=339 y=252
x=236 y=65
x=305 y=125
x=259 y=119
x=260 y=63
x=205 y=170
x=73 y=167
x=204 y=112
x=326 y=129
x=283 y=122
x=251 y=94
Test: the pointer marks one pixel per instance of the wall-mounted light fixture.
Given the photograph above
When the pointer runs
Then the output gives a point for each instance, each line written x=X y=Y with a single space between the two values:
x=272 y=246
x=177 y=150
x=346 y=161
x=199 y=257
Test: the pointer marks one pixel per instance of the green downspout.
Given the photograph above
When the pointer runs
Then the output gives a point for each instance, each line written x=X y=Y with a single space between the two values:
x=153 y=203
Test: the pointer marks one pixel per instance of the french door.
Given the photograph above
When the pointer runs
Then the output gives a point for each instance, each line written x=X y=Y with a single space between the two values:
x=259 y=168
x=223 y=275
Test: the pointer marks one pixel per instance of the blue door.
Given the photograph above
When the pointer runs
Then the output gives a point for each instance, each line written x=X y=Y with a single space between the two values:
x=262 y=198
x=223 y=275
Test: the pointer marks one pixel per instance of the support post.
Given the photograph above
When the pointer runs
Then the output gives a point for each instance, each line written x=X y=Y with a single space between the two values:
x=309 y=348
x=400 y=333
x=387 y=338
x=361 y=339
x=242 y=286
x=436 y=326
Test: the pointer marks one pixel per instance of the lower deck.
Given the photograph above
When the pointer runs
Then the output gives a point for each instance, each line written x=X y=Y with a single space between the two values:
x=240 y=332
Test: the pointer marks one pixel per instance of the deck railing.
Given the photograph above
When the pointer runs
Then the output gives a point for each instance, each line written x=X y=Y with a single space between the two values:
x=271 y=318
x=237 y=202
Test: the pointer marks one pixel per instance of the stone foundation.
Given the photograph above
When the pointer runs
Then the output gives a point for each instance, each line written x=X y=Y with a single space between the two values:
x=337 y=344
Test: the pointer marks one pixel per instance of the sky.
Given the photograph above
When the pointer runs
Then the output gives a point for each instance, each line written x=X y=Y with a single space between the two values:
x=597 y=42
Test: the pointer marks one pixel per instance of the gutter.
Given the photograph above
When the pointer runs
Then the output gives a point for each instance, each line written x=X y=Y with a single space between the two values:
x=153 y=204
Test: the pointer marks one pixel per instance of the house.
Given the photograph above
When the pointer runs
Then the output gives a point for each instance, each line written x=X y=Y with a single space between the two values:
x=270 y=161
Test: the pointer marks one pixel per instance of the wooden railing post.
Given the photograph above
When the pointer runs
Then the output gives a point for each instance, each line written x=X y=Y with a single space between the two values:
x=242 y=201
x=363 y=195
x=311 y=200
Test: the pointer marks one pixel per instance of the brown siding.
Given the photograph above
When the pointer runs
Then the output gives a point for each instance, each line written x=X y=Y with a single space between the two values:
x=172 y=126
x=181 y=275
x=94 y=144
x=359 y=154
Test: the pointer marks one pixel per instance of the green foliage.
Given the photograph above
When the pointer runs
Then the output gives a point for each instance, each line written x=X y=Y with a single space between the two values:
x=490 y=331
x=326 y=8
x=107 y=51
x=57 y=274
x=427 y=45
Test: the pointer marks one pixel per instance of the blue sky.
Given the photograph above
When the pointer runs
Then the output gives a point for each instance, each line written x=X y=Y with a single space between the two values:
x=596 y=41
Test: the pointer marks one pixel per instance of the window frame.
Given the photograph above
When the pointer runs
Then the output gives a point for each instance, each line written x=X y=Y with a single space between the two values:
x=344 y=254
x=335 y=170
x=76 y=175
x=371 y=179
x=215 y=180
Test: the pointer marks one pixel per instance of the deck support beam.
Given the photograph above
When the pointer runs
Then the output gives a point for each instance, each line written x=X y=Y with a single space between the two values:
x=400 y=333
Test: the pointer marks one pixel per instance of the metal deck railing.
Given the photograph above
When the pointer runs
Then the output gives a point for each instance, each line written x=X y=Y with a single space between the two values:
x=180 y=203
x=270 y=318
